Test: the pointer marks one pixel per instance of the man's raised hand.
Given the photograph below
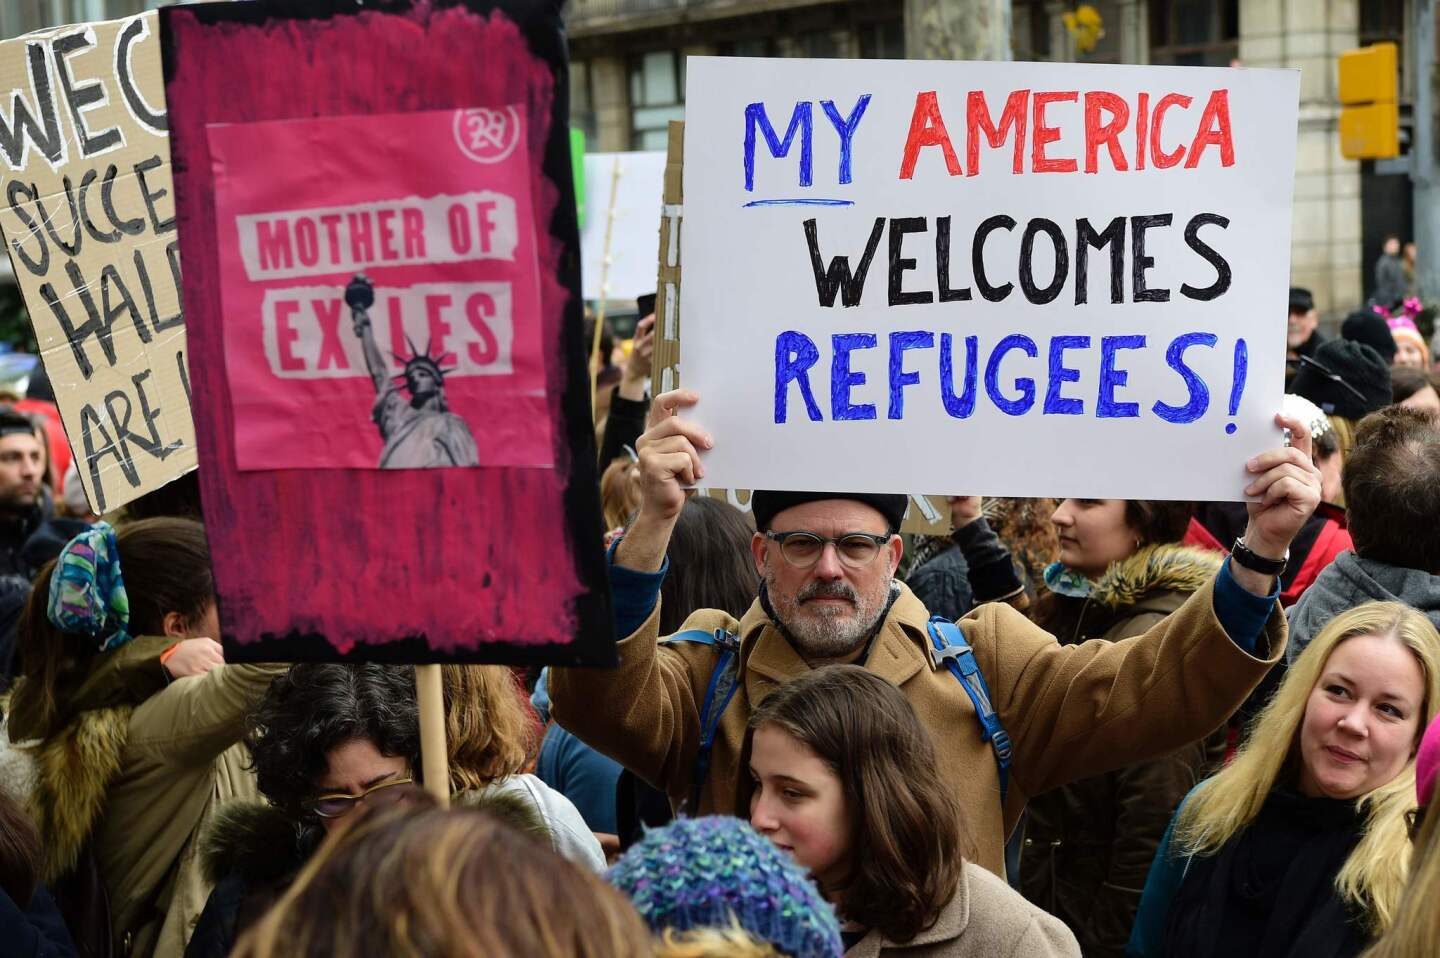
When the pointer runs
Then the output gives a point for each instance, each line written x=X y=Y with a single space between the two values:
x=669 y=461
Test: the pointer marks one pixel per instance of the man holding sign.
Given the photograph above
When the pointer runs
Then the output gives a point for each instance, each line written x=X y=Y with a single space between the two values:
x=829 y=596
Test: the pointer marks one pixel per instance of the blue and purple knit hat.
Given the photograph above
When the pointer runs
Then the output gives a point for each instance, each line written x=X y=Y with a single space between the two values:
x=698 y=872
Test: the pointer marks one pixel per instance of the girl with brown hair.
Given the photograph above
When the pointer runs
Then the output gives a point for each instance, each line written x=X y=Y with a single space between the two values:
x=846 y=782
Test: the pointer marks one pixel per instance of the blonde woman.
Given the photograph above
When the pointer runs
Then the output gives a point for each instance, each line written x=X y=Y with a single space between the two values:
x=1416 y=929
x=1300 y=845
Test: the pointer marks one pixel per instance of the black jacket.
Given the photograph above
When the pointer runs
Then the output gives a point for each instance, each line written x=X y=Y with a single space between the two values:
x=35 y=931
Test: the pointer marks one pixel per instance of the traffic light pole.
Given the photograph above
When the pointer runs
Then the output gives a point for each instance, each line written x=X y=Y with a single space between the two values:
x=1426 y=190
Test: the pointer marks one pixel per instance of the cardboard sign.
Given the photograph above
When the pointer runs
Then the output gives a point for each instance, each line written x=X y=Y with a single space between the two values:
x=433 y=239
x=992 y=278
x=381 y=278
x=88 y=218
x=622 y=213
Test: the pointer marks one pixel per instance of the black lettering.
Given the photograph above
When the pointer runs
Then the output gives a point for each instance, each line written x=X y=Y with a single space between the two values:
x=900 y=265
x=94 y=454
x=1034 y=293
x=1112 y=236
x=942 y=264
x=1140 y=263
x=110 y=280
x=22 y=128
x=151 y=307
x=107 y=199
x=151 y=442
x=157 y=224
x=37 y=267
x=184 y=373
x=837 y=277
x=90 y=227
x=94 y=325
x=125 y=75
x=1222 y=267
x=992 y=294
x=72 y=248
x=79 y=97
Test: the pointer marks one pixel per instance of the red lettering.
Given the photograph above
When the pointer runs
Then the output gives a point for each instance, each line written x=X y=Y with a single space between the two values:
x=478 y=308
x=362 y=241
x=1042 y=134
x=1214 y=130
x=1012 y=120
x=414 y=222
x=1161 y=159
x=331 y=222
x=459 y=221
x=398 y=345
x=332 y=349
x=1106 y=134
x=1142 y=123
x=927 y=128
x=483 y=209
x=435 y=305
x=285 y=335
x=307 y=242
x=274 y=242
x=387 y=235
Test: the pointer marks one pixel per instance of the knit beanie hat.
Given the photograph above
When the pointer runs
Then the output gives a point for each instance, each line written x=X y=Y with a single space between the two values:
x=1344 y=379
x=1427 y=763
x=1403 y=328
x=765 y=504
x=1364 y=326
x=699 y=872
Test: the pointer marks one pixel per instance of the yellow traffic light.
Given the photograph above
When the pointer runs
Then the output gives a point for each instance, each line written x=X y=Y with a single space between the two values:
x=1369 y=95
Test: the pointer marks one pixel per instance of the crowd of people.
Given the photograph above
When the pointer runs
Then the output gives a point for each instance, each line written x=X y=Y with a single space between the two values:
x=1094 y=727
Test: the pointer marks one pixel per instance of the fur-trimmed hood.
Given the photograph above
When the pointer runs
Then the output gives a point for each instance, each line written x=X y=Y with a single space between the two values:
x=1158 y=568
x=73 y=771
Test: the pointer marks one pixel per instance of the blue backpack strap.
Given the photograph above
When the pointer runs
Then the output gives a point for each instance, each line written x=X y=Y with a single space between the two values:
x=948 y=647
x=724 y=681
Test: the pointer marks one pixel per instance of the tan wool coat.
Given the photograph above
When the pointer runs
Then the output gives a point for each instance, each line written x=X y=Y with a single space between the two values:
x=1071 y=711
x=985 y=919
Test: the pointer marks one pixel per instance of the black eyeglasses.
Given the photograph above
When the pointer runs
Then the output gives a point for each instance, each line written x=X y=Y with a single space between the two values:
x=803 y=549
x=1333 y=376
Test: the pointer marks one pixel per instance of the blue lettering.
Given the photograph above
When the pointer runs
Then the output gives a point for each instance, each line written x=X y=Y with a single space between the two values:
x=1199 y=392
x=1106 y=406
x=963 y=405
x=899 y=378
x=842 y=379
x=795 y=353
x=1060 y=374
x=801 y=120
x=1026 y=385
x=845 y=129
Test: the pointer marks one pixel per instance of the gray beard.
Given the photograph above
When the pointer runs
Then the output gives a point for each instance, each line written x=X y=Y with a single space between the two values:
x=832 y=636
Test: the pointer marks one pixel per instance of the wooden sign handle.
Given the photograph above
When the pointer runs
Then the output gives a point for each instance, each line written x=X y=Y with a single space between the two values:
x=430 y=700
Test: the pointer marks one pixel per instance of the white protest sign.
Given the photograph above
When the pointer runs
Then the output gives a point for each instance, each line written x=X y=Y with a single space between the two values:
x=622 y=223
x=994 y=278
x=89 y=222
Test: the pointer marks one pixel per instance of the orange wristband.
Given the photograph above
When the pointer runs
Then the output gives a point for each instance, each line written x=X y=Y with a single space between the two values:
x=165 y=656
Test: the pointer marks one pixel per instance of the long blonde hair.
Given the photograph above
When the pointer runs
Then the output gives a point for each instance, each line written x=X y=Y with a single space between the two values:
x=491 y=732
x=1415 y=929
x=1374 y=875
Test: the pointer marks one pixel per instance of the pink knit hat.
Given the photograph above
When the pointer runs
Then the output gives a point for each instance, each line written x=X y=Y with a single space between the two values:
x=1403 y=327
x=1427 y=763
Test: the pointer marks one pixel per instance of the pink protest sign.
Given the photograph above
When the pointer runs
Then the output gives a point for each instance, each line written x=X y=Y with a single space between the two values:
x=381 y=299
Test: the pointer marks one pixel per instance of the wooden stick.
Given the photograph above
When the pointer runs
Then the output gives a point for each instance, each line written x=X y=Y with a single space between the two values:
x=430 y=700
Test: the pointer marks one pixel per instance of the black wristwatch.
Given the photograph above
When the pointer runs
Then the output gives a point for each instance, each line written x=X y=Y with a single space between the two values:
x=1243 y=555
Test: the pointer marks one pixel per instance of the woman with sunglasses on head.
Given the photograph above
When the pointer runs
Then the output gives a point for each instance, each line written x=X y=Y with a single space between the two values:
x=1299 y=847
x=329 y=737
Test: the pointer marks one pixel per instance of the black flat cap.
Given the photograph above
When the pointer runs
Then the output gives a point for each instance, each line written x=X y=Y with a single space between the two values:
x=765 y=504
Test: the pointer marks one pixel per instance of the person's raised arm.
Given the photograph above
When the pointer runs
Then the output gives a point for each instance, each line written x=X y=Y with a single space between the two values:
x=669 y=461
x=1287 y=484
x=360 y=296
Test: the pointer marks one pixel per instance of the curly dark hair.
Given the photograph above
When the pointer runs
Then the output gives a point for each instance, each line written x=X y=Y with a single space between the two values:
x=314 y=708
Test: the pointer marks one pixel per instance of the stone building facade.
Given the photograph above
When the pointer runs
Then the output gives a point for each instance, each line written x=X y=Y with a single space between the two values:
x=628 y=79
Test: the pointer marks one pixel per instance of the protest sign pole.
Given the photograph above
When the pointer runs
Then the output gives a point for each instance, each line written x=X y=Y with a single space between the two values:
x=430 y=701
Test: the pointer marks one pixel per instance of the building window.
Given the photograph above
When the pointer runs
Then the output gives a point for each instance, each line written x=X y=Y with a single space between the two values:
x=657 y=96
x=1194 y=32
x=882 y=41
